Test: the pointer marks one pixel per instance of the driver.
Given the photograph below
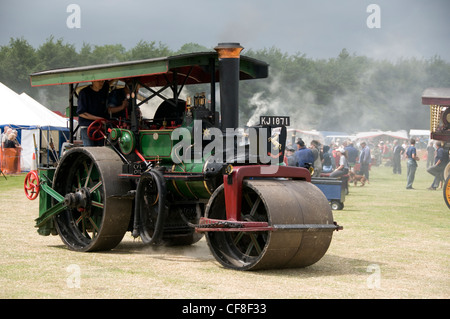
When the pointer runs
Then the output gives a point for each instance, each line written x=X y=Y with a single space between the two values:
x=118 y=101
x=92 y=106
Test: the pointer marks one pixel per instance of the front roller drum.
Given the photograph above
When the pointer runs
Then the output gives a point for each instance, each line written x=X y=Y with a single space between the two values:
x=287 y=206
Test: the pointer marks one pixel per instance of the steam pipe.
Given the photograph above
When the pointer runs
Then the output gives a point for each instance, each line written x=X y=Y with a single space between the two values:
x=229 y=58
x=72 y=91
x=212 y=66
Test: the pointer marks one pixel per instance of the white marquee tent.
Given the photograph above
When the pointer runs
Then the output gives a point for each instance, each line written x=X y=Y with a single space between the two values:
x=401 y=135
x=34 y=122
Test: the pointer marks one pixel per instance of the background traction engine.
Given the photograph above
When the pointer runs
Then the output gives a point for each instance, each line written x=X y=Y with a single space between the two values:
x=140 y=182
x=439 y=101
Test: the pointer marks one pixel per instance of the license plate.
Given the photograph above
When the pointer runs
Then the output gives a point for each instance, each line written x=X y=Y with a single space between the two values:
x=275 y=120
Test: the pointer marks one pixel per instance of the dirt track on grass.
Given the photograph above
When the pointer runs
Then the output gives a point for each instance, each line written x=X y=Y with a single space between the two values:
x=361 y=263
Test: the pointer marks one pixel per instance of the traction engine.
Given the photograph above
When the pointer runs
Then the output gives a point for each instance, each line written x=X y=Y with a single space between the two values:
x=188 y=172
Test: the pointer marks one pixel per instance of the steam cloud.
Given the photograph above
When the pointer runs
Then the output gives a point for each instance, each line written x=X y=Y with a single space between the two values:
x=364 y=108
x=278 y=99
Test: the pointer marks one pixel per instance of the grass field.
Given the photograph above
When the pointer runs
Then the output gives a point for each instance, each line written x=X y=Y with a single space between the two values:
x=395 y=244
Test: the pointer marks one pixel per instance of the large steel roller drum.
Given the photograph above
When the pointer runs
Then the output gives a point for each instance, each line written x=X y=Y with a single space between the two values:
x=285 y=204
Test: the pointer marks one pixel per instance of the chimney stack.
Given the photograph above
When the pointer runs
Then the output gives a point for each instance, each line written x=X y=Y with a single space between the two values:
x=229 y=59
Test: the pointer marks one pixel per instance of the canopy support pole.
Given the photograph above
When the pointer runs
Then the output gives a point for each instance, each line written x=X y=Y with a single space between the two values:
x=71 y=112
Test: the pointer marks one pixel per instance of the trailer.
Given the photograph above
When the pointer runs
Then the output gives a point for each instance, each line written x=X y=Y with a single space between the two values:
x=333 y=189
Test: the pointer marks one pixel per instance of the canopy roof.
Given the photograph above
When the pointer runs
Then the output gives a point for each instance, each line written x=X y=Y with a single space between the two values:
x=436 y=96
x=193 y=68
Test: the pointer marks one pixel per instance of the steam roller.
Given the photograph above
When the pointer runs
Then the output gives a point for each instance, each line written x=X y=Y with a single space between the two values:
x=186 y=173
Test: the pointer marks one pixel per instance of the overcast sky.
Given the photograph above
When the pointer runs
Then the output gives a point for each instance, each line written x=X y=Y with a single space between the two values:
x=318 y=29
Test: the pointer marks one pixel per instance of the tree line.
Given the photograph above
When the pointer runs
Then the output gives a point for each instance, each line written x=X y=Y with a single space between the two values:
x=346 y=93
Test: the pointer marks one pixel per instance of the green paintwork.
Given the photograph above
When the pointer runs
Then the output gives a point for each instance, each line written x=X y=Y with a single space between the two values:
x=44 y=222
x=191 y=189
x=156 y=144
x=127 y=142
x=98 y=72
x=49 y=213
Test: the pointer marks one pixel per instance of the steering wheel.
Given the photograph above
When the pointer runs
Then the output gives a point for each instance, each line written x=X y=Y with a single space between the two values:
x=31 y=185
x=96 y=130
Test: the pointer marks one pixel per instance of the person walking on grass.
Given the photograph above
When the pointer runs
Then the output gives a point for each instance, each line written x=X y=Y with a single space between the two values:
x=365 y=158
x=440 y=161
x=411 y=164
x=398 y=151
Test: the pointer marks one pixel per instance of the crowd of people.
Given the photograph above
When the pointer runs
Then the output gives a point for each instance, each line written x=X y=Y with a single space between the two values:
x=331 y=160
x=336 y=160
x=9 y=138
x=9 y=151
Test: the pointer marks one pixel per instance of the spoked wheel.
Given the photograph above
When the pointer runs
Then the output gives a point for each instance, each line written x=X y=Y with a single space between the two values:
x=151 y=194
x=239 y=249
x=446 y=190
x=95 y=218
x=281 y=203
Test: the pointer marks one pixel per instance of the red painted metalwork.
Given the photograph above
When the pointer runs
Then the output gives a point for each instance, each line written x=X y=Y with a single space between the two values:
x=233 y=194
x=31 y=185
x=95 y=130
